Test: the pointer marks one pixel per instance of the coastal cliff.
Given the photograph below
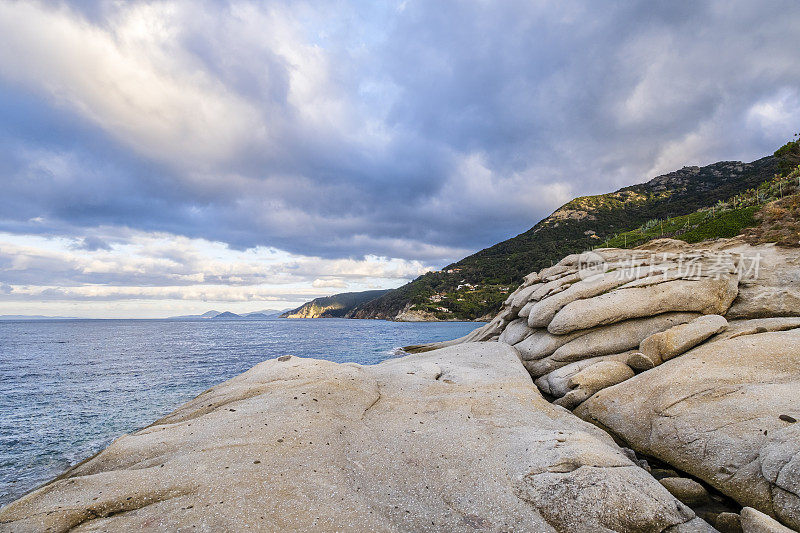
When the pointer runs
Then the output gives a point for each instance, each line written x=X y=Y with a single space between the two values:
x=336 y=306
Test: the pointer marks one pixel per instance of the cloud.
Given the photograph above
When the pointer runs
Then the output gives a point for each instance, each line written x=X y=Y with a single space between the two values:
x=195 y=293
x=133 y=82
x=416 y=132
x=164 y=267
x=776 y=113
x=92 y=244
x=332 y=283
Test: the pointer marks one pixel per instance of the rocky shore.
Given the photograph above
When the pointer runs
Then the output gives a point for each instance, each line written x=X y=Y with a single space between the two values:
x=687 y=354
x=655 y=389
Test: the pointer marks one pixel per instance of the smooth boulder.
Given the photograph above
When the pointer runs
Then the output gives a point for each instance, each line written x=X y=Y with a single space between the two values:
x=754 y=521
x=665 y=345
x=770 y=283
x=556 y=383
x=592 y=379
x=686 y=490
x=706 y=296
x=722 y=412
x=543 y=311
x=544 y=352
x=515 y=331
x=540 y=344
x=618 y=337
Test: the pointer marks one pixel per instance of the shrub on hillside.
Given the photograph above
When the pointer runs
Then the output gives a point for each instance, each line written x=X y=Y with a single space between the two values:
x=778 y=222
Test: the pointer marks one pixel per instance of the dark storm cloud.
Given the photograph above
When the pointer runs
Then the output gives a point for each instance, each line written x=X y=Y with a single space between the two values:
x=419 y=130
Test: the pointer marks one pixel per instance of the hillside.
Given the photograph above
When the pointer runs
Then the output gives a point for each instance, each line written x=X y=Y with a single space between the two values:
x=336 y=306
x=476 y=285
x=769 y=213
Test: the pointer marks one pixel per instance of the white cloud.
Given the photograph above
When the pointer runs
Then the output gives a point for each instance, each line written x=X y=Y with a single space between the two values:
x=132 y=81
x=321 y=283
x=346 y=143
x=150 y=267
x=776 y=114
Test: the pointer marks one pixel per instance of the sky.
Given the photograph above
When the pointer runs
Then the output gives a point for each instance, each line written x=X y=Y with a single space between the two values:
x=171 y=157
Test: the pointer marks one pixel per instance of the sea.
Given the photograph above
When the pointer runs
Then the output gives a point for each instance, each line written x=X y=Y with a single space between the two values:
x=68 y=388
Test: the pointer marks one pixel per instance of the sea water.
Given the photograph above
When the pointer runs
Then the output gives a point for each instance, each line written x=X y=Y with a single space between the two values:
x=69 y=387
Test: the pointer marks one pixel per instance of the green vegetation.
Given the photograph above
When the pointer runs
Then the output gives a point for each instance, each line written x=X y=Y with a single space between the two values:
x=695 y=227
x=789 y=155
x=724 y=225
x=462 y=302
x=722 y=220
x=694 y=203
x=335 y=306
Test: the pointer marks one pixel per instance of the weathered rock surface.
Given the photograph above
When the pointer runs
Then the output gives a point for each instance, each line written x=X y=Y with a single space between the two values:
x=542 y=312
x=753 y=521
x=618 y=337
x=457 y=439
x=705 y=295
x=556 y=383
x=734 y=279
x=515 y=332
x=665 y=345
x=686 y=490
x=601 y=375
x=770 y=284
x=723 y=317
x=563 y=349
x=737 y=328
x=540 y=344
x=593 y=378
x=728 y=523
x=522 y=297
x=554 y=286
x=715 y=412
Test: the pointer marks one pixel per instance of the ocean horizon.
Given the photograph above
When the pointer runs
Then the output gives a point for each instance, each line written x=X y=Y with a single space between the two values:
x=68 y=387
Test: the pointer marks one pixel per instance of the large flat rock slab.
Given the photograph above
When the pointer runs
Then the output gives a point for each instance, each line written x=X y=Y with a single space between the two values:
x=770 y=284
x=457 y=439
x=725 y=412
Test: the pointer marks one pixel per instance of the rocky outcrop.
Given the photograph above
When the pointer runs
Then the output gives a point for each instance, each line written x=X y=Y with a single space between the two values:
x=457 y=439
x=706 y=296
x=591 y=379
x=771 y=286
x=657 y=302
x=690 y=354
x=715 y=412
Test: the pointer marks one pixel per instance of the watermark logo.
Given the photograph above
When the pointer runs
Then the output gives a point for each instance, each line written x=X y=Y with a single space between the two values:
x=593 y=266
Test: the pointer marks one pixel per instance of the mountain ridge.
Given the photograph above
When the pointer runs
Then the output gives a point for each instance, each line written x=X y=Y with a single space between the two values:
x=334 y=306
x=474 y=287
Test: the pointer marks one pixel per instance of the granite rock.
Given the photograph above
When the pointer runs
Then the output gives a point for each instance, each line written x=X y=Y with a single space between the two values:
x=721 y=412
x=456 y=439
